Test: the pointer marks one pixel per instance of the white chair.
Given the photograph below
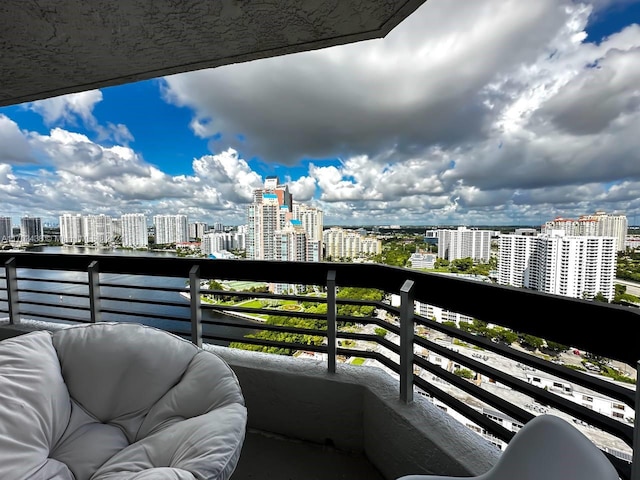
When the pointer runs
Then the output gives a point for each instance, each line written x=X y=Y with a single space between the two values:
x=112 y=401
x=546 y=448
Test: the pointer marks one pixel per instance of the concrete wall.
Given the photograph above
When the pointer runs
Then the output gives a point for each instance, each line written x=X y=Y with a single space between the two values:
x=356 y=409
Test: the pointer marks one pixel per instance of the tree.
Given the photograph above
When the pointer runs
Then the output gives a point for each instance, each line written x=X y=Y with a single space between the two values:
x=531 y=341
x=599 y=297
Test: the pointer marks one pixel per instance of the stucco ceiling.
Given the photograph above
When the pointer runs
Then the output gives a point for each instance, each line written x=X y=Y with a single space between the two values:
x=53 y=47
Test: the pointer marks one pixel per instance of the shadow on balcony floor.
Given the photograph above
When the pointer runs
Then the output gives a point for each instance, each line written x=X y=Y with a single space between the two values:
x=270 y=457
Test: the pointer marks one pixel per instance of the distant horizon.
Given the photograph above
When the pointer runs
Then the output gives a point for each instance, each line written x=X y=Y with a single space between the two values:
x=517 y=112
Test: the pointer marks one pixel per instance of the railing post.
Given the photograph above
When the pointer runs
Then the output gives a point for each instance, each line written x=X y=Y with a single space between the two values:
x=332 y=315
x=94 y=292
x=196 y=312
x=406 y=341
x=635 y=459
x=11 y=276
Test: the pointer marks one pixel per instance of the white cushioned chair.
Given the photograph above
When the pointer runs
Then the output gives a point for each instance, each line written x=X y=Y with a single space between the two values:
x=546 y=448
x=116 y=401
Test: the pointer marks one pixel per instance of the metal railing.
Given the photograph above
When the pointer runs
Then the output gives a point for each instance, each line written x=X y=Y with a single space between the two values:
x=167 y=292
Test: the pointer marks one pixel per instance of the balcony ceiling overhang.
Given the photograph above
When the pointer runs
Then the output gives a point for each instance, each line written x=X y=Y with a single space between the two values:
x=50 y=48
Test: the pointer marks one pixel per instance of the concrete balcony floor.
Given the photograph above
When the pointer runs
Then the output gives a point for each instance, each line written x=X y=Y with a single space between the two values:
x=271 y=457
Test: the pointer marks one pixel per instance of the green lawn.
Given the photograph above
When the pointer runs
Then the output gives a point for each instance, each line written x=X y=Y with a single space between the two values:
x=357 y=361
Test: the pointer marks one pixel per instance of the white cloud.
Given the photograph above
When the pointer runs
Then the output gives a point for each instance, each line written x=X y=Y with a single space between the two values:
x=14 y=146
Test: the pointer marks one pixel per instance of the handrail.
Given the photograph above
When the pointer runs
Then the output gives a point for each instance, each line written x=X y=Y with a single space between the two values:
x=492 y=304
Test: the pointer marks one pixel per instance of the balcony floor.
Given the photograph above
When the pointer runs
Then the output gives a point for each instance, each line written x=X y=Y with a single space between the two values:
x=270 y=457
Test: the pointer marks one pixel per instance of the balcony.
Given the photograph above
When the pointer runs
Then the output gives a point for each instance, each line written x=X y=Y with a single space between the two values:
x=381 y=419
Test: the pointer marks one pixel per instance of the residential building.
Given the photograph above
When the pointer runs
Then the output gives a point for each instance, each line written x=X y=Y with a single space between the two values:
x=31 y=230
x=440 y=314
x=572 y=266
x=599 y=224
x=71 y=230
x=268 y=213
x=342 y=243
x=6 y=233
x=464 y=243
x=213 y=242
x=170 y=229
x=311 y=220
x=197 y=230
x=422 y=260
x=134 y=230
x=97 y=229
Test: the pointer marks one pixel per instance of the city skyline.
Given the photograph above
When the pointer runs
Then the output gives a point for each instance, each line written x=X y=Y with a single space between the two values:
x=500 y=113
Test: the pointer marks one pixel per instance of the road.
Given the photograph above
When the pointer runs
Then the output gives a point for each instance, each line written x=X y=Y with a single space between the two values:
x=632 y=287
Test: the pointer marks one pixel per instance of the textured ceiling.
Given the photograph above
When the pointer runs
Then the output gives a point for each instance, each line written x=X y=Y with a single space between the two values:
x=53 y=47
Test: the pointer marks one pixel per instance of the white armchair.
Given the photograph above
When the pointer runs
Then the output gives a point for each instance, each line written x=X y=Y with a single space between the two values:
x=116 y=401
x=546 y=448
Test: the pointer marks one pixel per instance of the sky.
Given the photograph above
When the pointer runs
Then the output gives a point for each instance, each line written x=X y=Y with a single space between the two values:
x=484 y=112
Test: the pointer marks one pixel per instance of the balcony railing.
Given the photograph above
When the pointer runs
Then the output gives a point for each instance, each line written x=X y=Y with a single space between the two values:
x=92 y=288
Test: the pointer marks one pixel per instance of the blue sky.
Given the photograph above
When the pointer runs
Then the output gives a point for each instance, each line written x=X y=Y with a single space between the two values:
x=494 y=112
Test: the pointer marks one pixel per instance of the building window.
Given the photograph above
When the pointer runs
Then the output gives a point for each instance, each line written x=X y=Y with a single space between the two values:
x=587 y=398
x=618 y=406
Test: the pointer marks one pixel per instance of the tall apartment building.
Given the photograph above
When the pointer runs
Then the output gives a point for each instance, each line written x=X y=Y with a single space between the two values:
x=599 y=224
x=196 y=230
x=268 y=213
x=98 y=229
x=171 y=229
x=134 y=230
x=6 y=231
x=290 y=243
x=31 y=230
x=343 y=243
x=464 y=243
x=213 y=242
x=71 y=230
x=312 y=221
x=572 y=266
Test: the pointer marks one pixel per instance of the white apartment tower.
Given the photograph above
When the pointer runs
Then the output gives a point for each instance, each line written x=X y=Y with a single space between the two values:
x=464 y=243
x=196 y=230
x=171 y=229
x=31 y=230
x=312 y=221
x=6 y=232
x=98 y=229
x=599 y=224
x=269 y=212
x=134 y=230
x=71 y=229
x=572 y=266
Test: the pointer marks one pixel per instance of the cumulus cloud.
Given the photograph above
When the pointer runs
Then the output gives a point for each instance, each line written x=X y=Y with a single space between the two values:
x=497 y=111
x=14 y=147
x=77 y=109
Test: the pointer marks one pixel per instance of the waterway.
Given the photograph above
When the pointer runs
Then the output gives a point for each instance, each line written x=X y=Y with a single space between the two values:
x=62 y=296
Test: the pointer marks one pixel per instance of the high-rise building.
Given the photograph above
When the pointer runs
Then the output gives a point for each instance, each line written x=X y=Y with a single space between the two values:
x=71 y=230
x=6 y=232
x=572 y=266
x=599 y=224
x=196 y=230
x=31 y=230
x=269 y=212
x=171 y=229
x=134 y=230
x=341 y=243
x=464 y=243
x=98 y=229
x=312 y=221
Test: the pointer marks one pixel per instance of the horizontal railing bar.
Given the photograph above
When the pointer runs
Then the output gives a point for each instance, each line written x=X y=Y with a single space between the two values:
x=54 y=293
x=495 y=401
x=266 y=343
x=138 y=301
x=158 y=288
x=36 y=315
x=601 y=386
x=392 y=347
x=62 y=306
x=465 y=410
x=158 y=316
x=605 y=423
x=53 y=280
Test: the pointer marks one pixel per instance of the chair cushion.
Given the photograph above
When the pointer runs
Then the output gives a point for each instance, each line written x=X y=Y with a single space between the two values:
x=106 y=401
x=35 y=407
